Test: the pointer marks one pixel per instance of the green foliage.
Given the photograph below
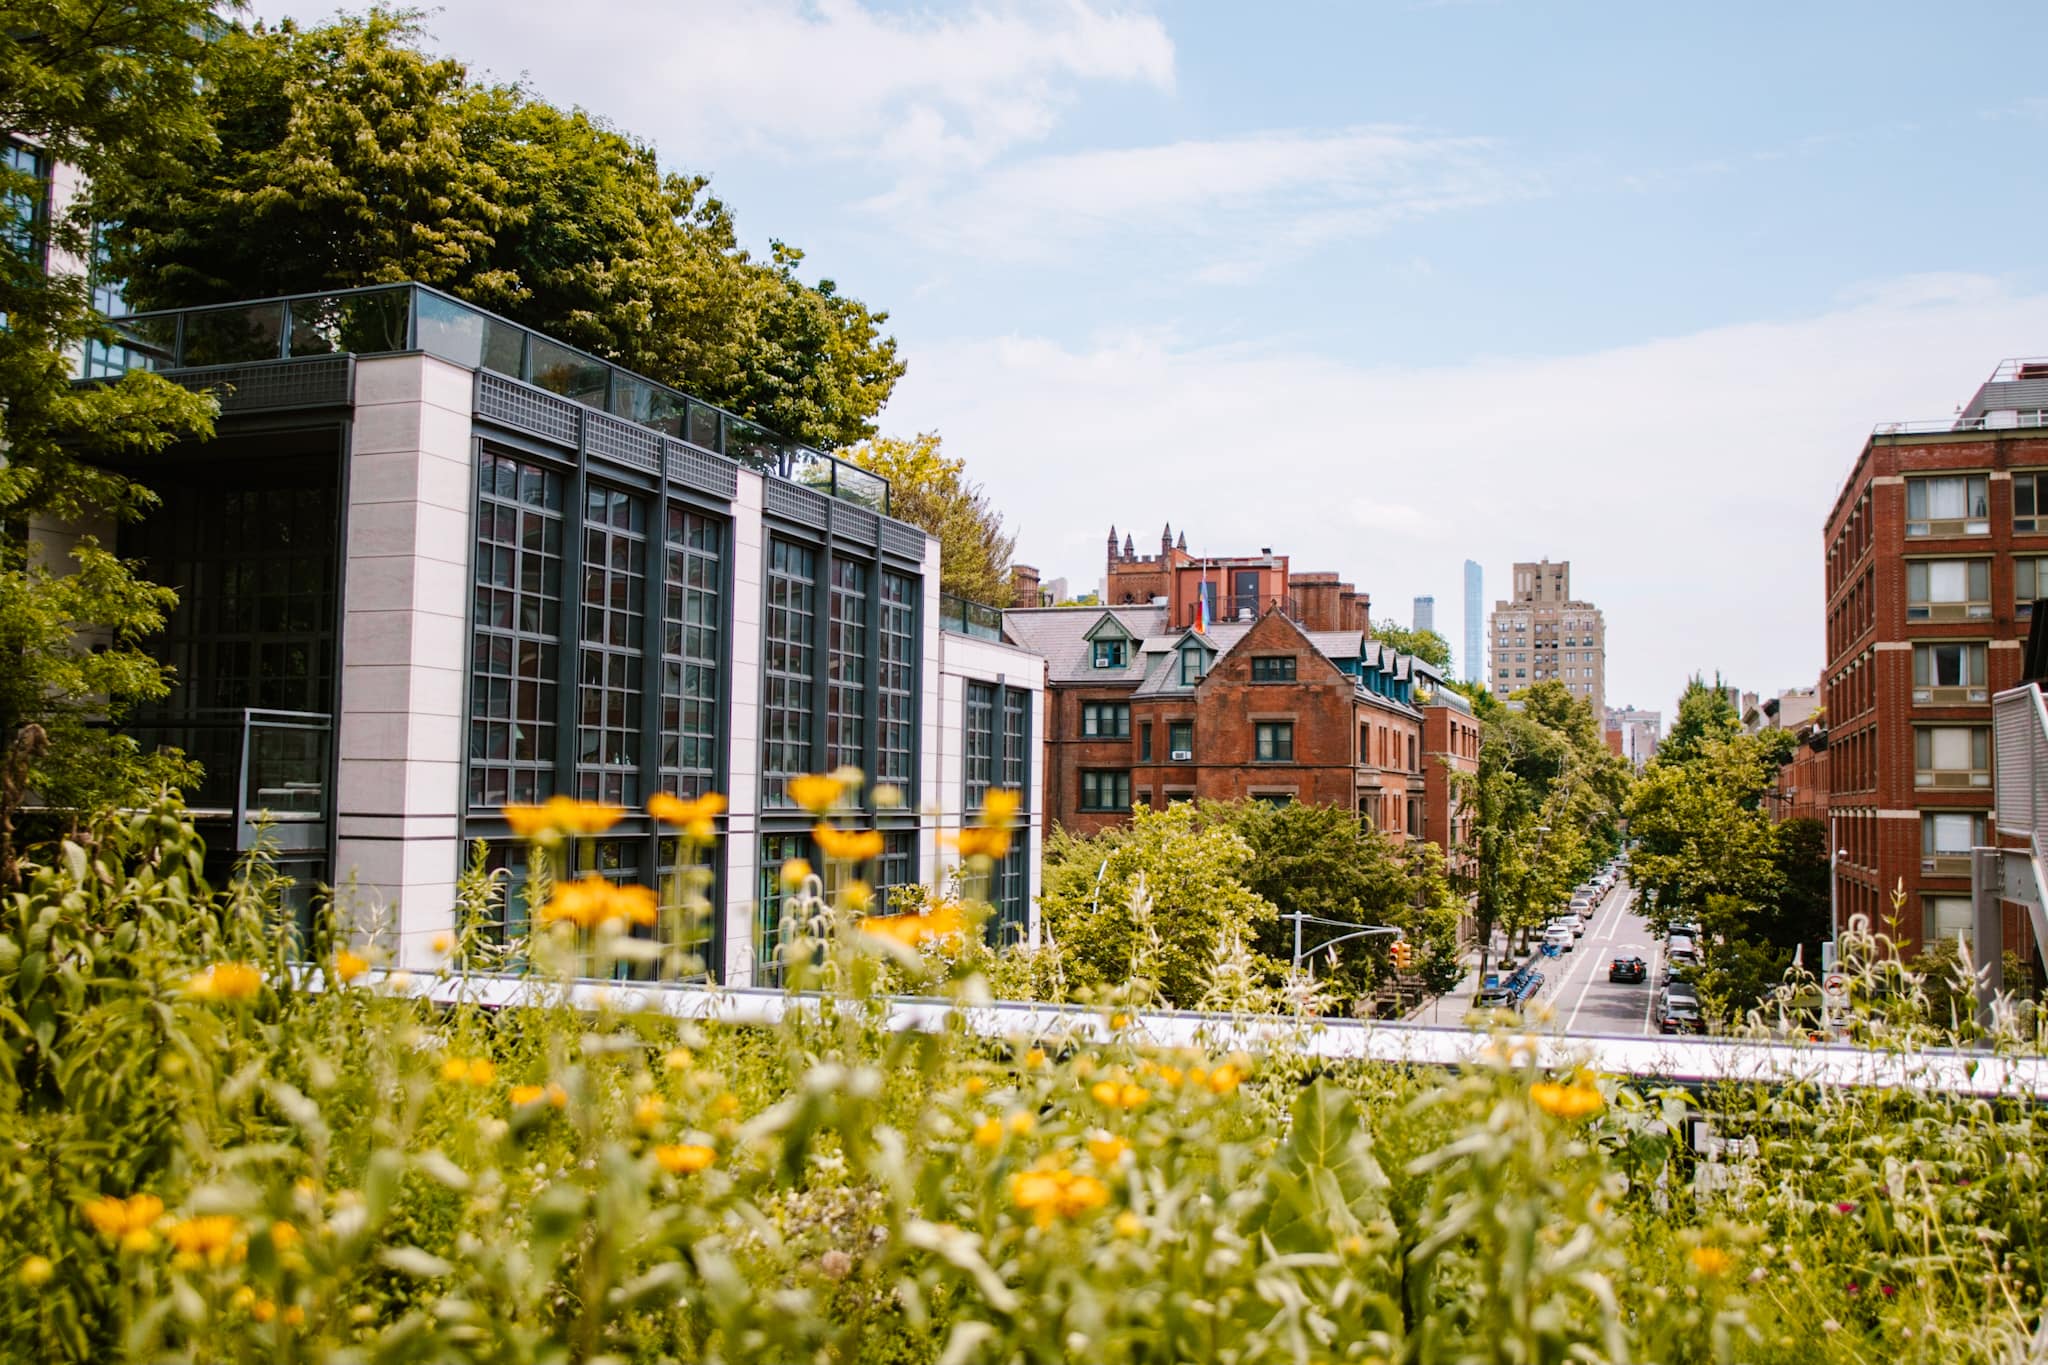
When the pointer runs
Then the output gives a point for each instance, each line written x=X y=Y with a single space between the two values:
x=111 y=91
x=1425 y=645
x=346 y=155
x=930 y=489
x=1150 y=901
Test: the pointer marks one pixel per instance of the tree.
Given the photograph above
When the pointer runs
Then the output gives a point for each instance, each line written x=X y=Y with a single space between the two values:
x=344 y=155
x=109 y=90
x=1425 y=645
x=1704 y=715
x=1151 y=900
x=930 y=489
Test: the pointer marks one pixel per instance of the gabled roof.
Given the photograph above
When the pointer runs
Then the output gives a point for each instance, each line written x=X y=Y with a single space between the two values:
x=1064 y=637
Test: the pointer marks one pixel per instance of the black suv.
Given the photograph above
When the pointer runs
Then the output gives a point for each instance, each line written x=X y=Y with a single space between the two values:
x=1629 y=968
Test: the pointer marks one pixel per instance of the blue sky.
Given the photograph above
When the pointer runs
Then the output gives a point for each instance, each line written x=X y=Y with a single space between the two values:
x=1384 y=285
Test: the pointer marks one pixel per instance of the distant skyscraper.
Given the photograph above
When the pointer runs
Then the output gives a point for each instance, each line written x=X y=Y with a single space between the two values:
x=1425 y=613
x=1475 y=625
x=1545 y=634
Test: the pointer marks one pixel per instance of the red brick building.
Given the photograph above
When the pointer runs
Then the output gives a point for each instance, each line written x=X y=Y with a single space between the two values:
x=1450 y=745
x=1935 y=550
x=1236 y=587
x=1144 y=711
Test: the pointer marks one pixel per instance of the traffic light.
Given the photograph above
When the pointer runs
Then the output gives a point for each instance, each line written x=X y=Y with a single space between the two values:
x=1404 y=956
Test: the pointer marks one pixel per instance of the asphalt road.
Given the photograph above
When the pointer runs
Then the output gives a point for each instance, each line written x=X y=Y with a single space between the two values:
x=1581 y=998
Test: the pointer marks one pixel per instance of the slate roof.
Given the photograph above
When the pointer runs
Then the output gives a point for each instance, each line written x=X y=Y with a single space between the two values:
x=1060 y=635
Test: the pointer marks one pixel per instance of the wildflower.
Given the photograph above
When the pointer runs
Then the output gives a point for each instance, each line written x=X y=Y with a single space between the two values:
x=244 y=1298
x=847 y=845
x=684 y=1158
x=35 y=1272
x=263 y=1310
x=125 y=1222
x=1889 y=1291
x=477 y=1071
x=1000 y=806
x=888 y=796
x=1119 y=1021
x=1034 y=1059
x=1224 y=1079
x=1574 y=1101
x=1047 y=1195
x=649 y=1112
x=560 y=815
x=443 y=943
x=590 y=901
x=1117 y=1096
x=980 y=842
x=349 y=965
x=294 y=1316
x=677 y=1059
x=284 y=1236
x=945 y=921
x=203 y=1240
x=1354 y=1245
x=1710 y=1262
x=1106 y=1148
x=1845 y=1206
x=1128 y=1224
x=1022 y=1122
x=1172 y=1076
x=989 y=1132
x=225 y=981
x=692 y=817
x=796 y=872
x=726 y=1105
x=816 y=792
x=1854 y=1289
x=974 y=1085
x=523 y=1095
x=858 y=897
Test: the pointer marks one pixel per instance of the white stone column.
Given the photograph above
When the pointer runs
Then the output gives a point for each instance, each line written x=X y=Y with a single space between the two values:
x=405 y=650
x=932 y=716
x=743 y=744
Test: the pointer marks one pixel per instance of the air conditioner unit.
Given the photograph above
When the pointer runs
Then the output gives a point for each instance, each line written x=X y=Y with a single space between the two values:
x=1183 y=755
x=1104 y=663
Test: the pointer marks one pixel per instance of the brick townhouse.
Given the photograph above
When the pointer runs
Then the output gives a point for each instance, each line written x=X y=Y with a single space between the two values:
x=1935 y=550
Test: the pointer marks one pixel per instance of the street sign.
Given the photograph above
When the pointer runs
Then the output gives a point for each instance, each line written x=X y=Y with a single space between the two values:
x=1834 y=990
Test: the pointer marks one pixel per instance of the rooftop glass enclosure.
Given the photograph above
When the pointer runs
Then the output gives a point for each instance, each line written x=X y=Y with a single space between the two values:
x=390 y=319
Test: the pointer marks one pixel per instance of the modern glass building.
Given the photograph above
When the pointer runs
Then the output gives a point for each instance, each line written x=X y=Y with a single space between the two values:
x=435 y=562
x=1475 y=623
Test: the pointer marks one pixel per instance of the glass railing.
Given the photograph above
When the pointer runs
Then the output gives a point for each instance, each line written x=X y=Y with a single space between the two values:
x=262 y=768
x=388 y=319
x=975 y=619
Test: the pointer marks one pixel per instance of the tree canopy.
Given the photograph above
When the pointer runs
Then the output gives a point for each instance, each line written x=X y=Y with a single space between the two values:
x=343 y=154
x=930 y=489
x=110 y=90
x=1425 y=645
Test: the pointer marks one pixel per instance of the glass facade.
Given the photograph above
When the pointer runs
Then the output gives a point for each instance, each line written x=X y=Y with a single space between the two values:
x=693 y=625
x=614 y=625
x=788 y=668
x=896 y=682
x=515 y=672
x=847 y=662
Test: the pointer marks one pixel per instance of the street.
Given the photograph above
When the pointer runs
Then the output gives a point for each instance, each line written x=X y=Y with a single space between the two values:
x=1576 y=991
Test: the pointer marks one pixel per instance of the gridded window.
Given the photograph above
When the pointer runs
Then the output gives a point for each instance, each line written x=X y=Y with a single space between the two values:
x=24 y=196
x=1948 y=589
x=1952 y=834
x=99 y=359
x=1276 y=668
x=1180 y=740
x=847 y=661
x=618 y=861
x=1190 y=666
x=896 y=681
x=1101 y=790
x=1945 y=918
x=1017 y=744
x=2029 y=582
x=978 y=745
x=769 y=930
x=1275 y=741
x=614 y=621
x=896 y=867
x=1948 y=505
x=1145 y=742
x=691 y=620
x=2030 y=501
x=514 y=674
x=1106 y=719
x=1948 y=664
x=513 y=915
x=1111 y=653
x=787 y=667
x=1010 y=898
x=1952 y=756
x=696 y=936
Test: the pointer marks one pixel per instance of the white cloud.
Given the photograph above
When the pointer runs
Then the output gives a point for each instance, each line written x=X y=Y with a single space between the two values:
x=832 y=78
x=1239 y=204
x=1686 y=479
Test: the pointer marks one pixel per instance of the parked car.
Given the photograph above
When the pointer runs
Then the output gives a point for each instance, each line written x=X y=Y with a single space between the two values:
x=1627 y=966
x=1493 y=998
x=1582 y=905
x=1684 y=928
x=1557 y=936
x=1680 y=1013
x=1681 y=949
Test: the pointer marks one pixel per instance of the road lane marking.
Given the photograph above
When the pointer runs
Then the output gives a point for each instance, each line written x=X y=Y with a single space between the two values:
x=1607 y=938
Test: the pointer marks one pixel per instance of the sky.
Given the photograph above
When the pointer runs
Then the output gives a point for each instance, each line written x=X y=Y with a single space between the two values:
x=1384 y=286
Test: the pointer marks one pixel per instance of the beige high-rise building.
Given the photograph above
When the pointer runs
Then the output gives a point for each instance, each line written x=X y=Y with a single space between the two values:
x=1544 y=632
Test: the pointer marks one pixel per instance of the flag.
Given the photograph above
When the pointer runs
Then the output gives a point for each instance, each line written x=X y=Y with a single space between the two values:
x=1202 y=610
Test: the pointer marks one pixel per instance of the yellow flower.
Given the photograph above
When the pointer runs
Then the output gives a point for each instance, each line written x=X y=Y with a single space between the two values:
x=523 y=1095
x=796 y=872
x=263 y=1310
x=848 y=845
x=560 y=815
x=349 y=965
x=684 y=1158
x=692 y=817
x=941 y=922
x=1034 y=1059
x=1574 y=1101
x=677 y=1059
x=477 y=1071
x=888 y=796
x=726 y=1105
x=858 y=897
x=444 y=943
x=1022 y=1121
x=284 y=1236
x=1119 y=1096
x=974 y=1085
x=1224 y=1079
x=1119 y=1021
x=244 y=1298
x=125 y=1222
x=1047 y=1195
x=295 y=1316
x=649 y=1112
x=1128 y=1224
x=590 y=901
x=1710 y=1262
x=977 y=842
x=206 y=1239
x=816 y=792
x=1000 y=806
x=1106 y=1148
x=1084 y=1067
x=989 y=1132
x=225 y=981
x=1171 y=1075
x=35 y=1272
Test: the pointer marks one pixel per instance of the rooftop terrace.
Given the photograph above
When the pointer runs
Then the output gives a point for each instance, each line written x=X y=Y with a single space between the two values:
x=399 y=318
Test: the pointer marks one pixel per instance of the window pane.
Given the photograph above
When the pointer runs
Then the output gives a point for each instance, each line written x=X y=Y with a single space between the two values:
x=1947 y=580
x=1951 y=749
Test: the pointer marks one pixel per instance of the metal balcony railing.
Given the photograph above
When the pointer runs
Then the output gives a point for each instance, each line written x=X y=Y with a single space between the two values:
x=977 y=620
x=393 y=319
x=261 y=768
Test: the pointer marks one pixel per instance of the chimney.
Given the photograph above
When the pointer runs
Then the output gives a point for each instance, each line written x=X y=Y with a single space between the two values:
x=1023 y=586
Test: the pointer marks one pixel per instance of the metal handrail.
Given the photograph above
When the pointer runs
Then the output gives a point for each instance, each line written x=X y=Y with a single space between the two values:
x=2019 y=718
x=977 y=620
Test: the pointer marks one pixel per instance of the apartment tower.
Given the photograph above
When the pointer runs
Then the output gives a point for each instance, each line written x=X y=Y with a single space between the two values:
x=1475 y=594
x=1544 y=633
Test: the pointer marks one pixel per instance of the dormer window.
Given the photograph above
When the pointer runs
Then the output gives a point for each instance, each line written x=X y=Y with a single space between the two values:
x=1191 y=665
x=1111 y=654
